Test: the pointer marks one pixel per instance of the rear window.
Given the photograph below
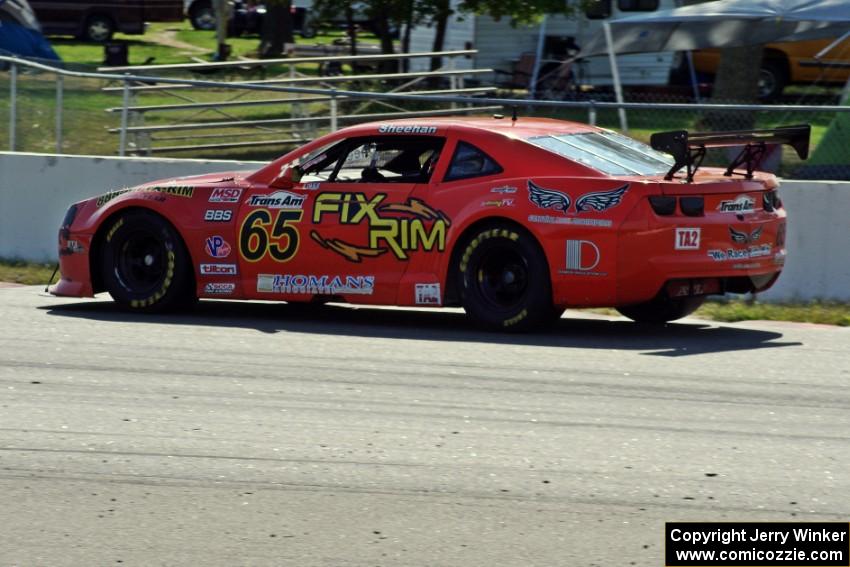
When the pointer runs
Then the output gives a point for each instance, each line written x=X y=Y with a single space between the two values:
x=607 y=152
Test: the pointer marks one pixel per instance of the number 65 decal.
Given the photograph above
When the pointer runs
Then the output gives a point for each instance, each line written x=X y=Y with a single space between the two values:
x=261 y=235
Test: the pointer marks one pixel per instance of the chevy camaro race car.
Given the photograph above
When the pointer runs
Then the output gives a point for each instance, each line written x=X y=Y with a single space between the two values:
x=514 y=220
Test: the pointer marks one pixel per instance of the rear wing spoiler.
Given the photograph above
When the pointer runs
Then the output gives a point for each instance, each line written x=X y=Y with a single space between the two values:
x=688 y=149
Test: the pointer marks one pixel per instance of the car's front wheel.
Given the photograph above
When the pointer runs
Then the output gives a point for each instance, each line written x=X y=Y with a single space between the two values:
x=504 y=280
x=144 y=264
x=662 y=309
x=202 y=16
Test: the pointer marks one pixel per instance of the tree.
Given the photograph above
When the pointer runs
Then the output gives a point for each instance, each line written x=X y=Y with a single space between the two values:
x=736 y=81
x=277 y=28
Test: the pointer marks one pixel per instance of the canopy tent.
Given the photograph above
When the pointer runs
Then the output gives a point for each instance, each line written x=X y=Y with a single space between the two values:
x=20 y=33
x=721 y=23
x=724 y=23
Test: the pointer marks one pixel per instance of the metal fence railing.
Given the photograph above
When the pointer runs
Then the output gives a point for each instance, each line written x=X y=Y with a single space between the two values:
x=46 y=99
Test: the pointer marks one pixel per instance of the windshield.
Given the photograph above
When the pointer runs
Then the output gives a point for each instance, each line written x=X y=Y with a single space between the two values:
x=607 y=152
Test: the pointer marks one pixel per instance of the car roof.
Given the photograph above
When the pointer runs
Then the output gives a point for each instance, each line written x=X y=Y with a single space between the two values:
x=523 y=127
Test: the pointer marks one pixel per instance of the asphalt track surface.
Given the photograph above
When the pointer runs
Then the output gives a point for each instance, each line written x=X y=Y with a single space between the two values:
x=263 y=434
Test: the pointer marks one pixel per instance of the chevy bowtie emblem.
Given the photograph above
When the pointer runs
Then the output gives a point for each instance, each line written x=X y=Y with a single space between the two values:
x=743 y=237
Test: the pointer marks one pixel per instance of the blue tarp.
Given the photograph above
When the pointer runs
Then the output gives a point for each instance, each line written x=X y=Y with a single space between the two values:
x=20 y=34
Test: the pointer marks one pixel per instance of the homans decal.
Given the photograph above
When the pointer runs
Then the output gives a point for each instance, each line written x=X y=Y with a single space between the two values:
x=398 y=228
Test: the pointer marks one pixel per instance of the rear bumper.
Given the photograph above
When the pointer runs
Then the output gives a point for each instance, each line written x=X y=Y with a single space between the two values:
x=713 y=262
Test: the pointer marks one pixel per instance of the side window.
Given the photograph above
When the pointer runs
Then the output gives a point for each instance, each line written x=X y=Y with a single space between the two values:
x=597 y=9
x=469 y=161
x=379 y=159
x=637 y=5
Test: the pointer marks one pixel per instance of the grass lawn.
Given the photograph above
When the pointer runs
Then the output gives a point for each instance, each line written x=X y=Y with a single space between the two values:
x=27 y=273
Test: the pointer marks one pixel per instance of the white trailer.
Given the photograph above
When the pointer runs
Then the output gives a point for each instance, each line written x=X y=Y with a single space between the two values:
x=503 y=47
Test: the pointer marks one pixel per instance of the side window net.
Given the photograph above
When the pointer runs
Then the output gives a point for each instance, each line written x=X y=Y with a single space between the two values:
x=468 y=161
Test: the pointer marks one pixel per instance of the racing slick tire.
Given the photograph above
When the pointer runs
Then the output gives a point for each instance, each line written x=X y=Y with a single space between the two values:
x=144 y=263
x=504 y=280
x=662 y=309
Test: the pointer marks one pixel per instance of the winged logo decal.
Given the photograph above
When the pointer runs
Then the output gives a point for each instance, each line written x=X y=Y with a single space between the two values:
x=601 y=200
x=743 y=237
x=594 y=201
x=548 y=198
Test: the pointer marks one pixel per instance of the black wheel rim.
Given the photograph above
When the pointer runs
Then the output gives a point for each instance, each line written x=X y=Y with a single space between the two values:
x=502 y=278
x=142 y=263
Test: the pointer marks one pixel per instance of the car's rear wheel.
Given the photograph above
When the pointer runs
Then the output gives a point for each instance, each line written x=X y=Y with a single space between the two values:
x=144 y=263
x=662 y=309
x=99 y=28
x=504 y=280
x=773 y=76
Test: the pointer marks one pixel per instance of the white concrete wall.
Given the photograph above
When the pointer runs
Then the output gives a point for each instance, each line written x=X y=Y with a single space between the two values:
x=36 y=189
x=818 y=242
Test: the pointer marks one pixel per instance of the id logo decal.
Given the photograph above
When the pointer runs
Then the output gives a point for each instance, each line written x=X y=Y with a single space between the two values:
x=582 y=258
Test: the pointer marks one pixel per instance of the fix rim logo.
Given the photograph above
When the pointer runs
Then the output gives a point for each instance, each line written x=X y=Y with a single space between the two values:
x=398 y=228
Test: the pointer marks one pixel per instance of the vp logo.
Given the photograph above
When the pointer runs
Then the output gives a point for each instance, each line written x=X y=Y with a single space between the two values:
x=217 y=247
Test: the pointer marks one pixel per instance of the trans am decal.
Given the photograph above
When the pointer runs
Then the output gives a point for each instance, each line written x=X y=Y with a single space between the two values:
x=419 y=227
x=743 y=204
x=597 y=200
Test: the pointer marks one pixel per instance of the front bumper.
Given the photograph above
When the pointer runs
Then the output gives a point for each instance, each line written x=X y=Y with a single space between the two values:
x=74 y=266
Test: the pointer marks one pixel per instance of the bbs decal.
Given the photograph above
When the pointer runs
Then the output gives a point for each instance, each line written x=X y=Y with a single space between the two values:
x=218 y=215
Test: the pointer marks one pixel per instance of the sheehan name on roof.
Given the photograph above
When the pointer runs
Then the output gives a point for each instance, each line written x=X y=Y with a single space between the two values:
x=398 y=129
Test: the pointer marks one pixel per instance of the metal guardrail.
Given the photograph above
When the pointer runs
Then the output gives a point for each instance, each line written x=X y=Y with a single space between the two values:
x=592 y=107
x=292 y=61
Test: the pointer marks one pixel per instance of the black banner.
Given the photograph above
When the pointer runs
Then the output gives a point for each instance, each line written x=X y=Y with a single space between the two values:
x=757 y=544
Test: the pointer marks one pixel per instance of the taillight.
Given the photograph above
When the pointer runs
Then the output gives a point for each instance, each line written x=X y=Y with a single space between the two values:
x=771 y=201
x=780 y=235
x=692 y=206
x=663 y=205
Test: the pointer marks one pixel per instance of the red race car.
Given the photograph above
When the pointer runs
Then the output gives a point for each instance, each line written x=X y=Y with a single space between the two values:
x=514 y=220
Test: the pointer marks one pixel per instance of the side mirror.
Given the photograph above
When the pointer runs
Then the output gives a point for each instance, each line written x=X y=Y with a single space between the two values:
x=289 y=176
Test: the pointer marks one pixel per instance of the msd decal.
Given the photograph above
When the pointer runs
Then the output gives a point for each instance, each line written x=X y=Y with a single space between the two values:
x=687 y=239
x=225 y=195
x=217 y=247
